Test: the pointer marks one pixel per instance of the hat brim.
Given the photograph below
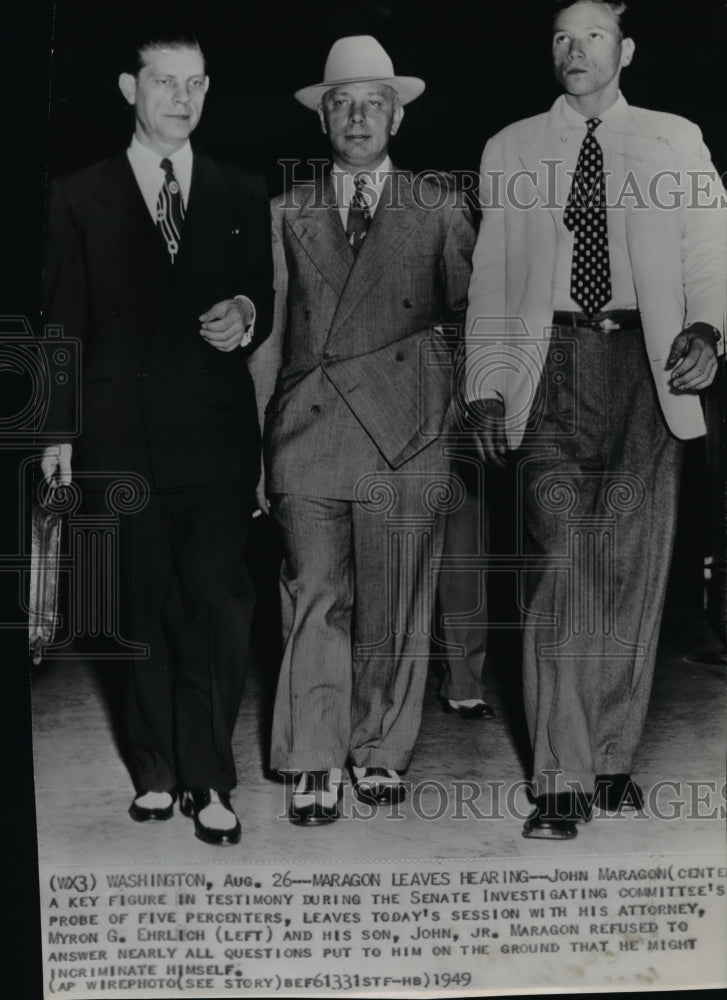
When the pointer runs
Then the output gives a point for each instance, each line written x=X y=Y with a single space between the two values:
x=407 y=87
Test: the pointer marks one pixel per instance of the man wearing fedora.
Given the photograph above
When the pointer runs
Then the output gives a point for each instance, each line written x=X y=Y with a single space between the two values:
x=370 y=263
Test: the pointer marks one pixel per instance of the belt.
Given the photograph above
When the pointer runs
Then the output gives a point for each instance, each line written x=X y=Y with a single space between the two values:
x=616 y=319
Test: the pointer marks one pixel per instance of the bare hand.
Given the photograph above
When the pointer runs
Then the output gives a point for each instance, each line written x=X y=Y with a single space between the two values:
x=263 y=504
x=56 y=464
x=487 y=419
x=225 y=325
x=696 y=353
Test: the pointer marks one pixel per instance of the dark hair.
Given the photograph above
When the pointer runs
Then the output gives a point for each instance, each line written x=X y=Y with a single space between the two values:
x=619 y=10
x=156 y=39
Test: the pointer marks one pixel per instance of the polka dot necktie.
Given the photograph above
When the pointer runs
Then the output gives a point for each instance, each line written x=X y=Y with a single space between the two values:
x=359 y=215
x=170 y=209
x=585 y=217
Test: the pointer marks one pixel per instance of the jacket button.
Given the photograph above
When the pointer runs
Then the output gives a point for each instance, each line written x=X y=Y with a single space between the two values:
x=407 y=303
x=315 y=408
x=307 y=314
x=116 y=313
x=142 y=375
x=399 y=355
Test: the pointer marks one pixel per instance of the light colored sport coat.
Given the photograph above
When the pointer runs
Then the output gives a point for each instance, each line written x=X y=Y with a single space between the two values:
x=355 y=378
x=676 y=231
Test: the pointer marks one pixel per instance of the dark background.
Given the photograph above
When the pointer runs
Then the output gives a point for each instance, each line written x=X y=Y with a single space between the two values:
x=485 y=65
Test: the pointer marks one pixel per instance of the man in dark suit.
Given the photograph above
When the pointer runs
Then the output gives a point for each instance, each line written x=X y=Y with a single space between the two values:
x=357 y=381
x=159 y=262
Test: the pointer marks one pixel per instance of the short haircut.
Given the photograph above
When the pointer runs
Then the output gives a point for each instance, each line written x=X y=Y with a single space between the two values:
x=619 y=10
x=176 y=38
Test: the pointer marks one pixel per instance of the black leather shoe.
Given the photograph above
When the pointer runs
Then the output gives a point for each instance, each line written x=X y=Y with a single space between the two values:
x=555 y=817
x=615 y=792
x=479 y=711
x=315 y=798
x=145 y=814
x=378 y=786
x=194 y=800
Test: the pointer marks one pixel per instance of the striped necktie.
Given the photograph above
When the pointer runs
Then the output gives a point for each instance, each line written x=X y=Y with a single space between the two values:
x=170 y=209
x=359 y=214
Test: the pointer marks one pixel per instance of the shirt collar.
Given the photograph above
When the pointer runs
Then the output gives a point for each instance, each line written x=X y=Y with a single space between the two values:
x=343 y=180
x=612 y=117
x=148 y=159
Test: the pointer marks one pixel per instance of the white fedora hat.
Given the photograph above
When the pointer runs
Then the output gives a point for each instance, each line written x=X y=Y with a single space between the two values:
x=359 y=59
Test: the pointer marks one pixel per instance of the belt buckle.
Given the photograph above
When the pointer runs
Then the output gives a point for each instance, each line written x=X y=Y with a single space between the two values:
x=605 y=325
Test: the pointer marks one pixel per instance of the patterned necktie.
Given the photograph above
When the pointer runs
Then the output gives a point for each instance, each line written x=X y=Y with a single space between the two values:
x=585 y=216
x=359 y=215
x=170 y=210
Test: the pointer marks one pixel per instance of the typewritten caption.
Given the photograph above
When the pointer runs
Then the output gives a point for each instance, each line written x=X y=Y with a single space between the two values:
x=400 y=927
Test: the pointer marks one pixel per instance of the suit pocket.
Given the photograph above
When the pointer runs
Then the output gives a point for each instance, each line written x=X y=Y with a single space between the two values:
x=559 y=382
x=420 y=261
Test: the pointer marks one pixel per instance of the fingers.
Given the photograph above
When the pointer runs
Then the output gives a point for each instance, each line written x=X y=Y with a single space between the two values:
x=495 y=449
x=491 y=443
x=678 y=350
x=263 y=504
x=222 y=326
x=48 y=466
x=55 y=465
x=218 y=310
x=225 y=341
x=696 y=370
x=65 y=472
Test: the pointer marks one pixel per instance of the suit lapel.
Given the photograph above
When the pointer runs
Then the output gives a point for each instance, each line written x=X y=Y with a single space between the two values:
x=127 y=222
x=544 y=157
x=207 y=213
x=395 y=218
x=319 y=231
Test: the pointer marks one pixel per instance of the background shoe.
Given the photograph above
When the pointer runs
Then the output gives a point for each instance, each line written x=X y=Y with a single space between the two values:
x=472 y=708
x=555 y=817
x=615 y=792
x=378 y=785
x=215 y=821
x=152 y=806
x=315 y=797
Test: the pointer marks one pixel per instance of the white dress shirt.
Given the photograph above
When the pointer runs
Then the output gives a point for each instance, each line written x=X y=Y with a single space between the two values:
x=344 y=186
x=150 y=177
x=609 y=135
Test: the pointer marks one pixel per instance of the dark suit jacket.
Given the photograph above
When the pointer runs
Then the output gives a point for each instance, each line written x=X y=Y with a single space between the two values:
x=364 y=381
x=156 y=398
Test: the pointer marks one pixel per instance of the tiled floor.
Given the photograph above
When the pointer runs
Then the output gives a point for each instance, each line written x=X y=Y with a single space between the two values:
x=83 y=788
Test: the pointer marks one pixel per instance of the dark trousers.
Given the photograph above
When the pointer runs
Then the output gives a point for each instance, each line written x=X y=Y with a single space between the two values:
x=462 y=588
x=186 y=592
x=599 y=483
x=357 y=590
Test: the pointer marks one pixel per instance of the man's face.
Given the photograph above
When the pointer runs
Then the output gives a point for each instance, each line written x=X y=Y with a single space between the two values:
x=589 y=52
x=359 y=118
x=168 y=95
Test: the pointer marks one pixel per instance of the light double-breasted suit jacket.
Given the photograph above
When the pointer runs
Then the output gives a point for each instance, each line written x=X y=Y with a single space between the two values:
x=356 y=377
x=676 y=231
